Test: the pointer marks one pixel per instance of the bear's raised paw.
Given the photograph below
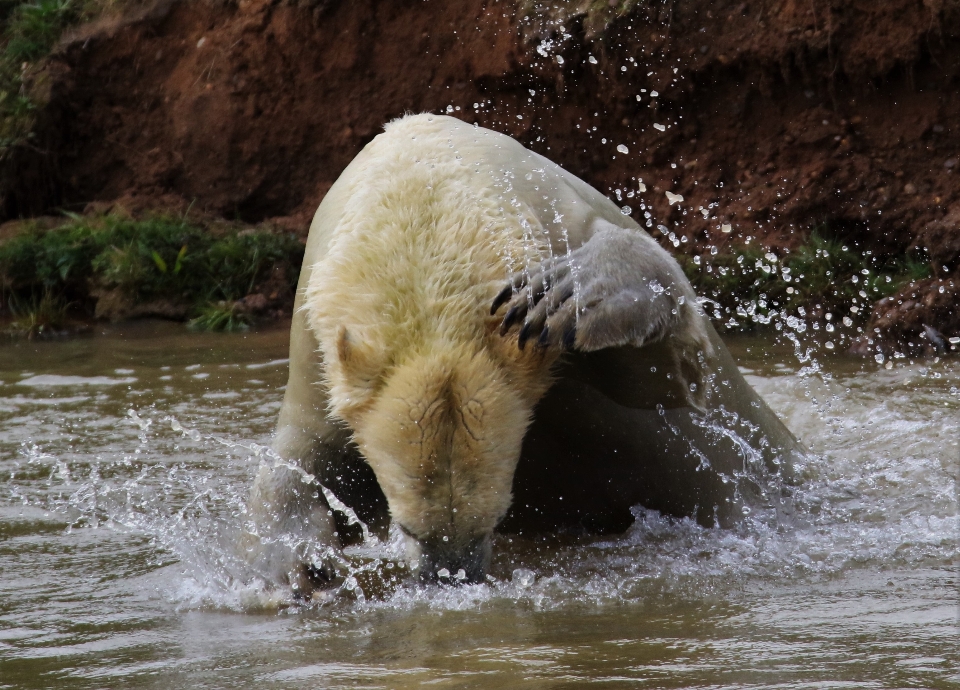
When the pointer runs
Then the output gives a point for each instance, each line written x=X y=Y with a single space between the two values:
x=609 y=292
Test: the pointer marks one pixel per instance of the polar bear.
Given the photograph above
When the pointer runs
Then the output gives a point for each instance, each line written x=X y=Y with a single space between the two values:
x=483 y=341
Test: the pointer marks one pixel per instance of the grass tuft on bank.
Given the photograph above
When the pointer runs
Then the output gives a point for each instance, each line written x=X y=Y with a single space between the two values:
x=220 y=316
x=37 y=316
x=119 y=267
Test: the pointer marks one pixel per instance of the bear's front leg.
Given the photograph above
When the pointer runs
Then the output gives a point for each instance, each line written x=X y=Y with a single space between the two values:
x=618 y=288
x=296 y=540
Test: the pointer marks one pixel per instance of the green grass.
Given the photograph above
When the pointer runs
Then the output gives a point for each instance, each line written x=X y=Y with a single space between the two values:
x=29 y=32
x=220 y=316
x=750 y=283
x=35 y=27
x=145 y=260
x=37 y=315
x=166 y=258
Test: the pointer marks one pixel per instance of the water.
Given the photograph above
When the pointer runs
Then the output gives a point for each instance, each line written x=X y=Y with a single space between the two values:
x=125 y=461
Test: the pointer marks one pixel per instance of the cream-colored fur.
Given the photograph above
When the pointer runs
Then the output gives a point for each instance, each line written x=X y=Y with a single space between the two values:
x=399 y=349
x=437 y=400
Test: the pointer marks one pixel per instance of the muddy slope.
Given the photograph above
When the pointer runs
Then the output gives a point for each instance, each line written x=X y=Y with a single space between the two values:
x=771 y=116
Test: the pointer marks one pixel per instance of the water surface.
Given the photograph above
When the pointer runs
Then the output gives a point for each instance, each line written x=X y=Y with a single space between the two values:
x=125 y=460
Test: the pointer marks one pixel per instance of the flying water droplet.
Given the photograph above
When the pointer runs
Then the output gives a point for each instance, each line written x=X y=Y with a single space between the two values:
x=523 y=577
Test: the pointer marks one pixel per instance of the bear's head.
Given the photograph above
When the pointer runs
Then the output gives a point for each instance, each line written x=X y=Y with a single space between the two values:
x=442 y=428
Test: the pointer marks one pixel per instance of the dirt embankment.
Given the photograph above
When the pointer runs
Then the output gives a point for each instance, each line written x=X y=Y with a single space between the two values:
x=772 y=117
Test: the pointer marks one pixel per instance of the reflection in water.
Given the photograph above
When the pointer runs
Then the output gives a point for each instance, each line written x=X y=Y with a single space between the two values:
x=125 y=462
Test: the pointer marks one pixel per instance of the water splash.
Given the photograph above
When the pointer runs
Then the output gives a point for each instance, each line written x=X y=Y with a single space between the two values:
x=878 y=492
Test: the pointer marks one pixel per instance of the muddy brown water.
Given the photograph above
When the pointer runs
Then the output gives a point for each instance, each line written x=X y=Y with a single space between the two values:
x=125 y=460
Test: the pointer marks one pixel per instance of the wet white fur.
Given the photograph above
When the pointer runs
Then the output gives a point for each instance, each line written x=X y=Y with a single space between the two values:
x=392 y=336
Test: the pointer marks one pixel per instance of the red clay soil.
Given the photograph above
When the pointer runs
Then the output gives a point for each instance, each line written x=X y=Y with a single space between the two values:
x=773 y=116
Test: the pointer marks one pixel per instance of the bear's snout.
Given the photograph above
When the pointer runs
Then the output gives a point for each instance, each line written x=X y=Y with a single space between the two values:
x=439 y=562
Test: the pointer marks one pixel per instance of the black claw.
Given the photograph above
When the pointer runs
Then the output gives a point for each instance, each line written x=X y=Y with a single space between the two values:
x=509 y=318
x=565 y=294
x=541 y=293
x=524 y=334
x=544 y=338
x=501 y=298
x=569 y=337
